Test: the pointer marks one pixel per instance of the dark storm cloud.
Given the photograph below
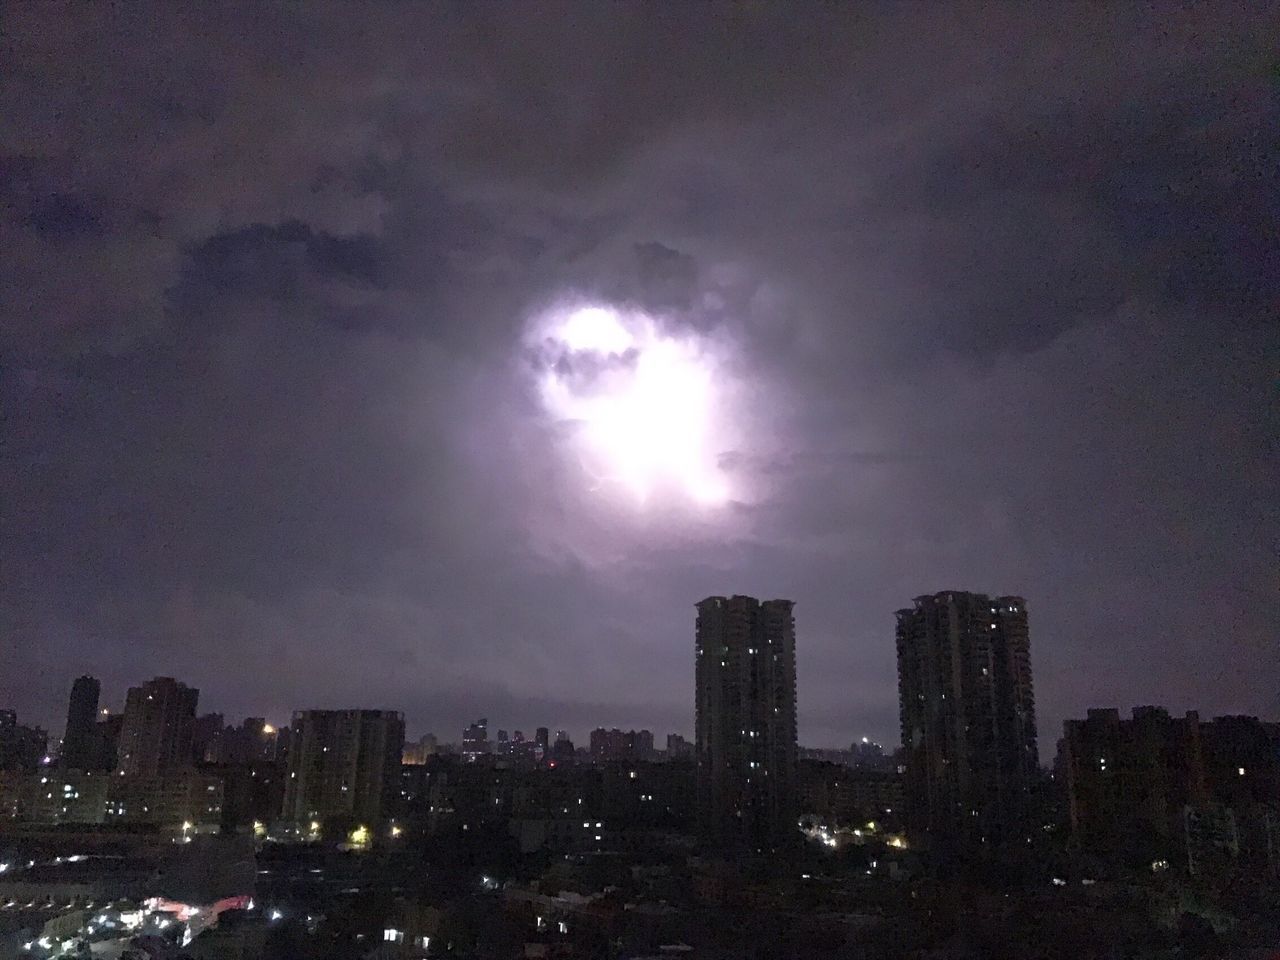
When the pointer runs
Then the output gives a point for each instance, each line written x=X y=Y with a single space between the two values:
x=999 y=284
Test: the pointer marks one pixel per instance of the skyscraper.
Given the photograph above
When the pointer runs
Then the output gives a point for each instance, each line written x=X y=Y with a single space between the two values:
x=79 y=738
x=968 y=718
x=343 y=763
x=159 y=718
x=745 y=677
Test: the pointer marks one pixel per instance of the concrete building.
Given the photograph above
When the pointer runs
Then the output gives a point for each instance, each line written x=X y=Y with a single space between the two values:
x=745 y=744
x=967 y=709
x=79 y=739
x=416 y=754
x=678 y=748
x=64 y=796
x=343 y=763
x=22 y=748
x=159 y=720
x=171 y=799
x=475 y=741
x=1129 y=782
x=621 y=745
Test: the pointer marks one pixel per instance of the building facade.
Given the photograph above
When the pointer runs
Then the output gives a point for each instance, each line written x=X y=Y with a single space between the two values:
x=745 y=744
x=22 y=748
x=343 y=763
x=1128 y=782
x=621 y=745
x=159 y=721
x=967 y=710
x=79 y=739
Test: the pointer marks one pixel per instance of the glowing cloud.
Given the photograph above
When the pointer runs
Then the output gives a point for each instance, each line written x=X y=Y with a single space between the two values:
x=643 y=402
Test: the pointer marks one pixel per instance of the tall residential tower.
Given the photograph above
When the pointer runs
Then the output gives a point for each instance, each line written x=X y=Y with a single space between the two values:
x=79 y=740
x=159 y=718
x=745 y=677
x=968 y=718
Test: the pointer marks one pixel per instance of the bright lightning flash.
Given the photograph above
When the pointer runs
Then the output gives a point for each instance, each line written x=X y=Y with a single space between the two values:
x=643 y=401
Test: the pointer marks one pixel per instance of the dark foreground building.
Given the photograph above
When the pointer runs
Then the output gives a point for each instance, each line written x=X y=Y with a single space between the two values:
x=968 y=719
x=746 y=722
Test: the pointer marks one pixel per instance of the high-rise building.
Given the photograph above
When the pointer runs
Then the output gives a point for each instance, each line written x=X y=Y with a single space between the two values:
x=1128 y=782
x=78 y=740
x=475 y=740
x=343 y=763
x=543 y=738
x=159 y=720
x=745 y=678
x=968 y=719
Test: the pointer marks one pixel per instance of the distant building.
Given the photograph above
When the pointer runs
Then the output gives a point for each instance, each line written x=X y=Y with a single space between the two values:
x=967 y=709
x=678 y=748
x=745 y=679
x=1242 y=762
x=562 y=751
x=78 y=739
x=475 y=741
x=416 y=754
x=169 y=799
x=849 y=796
x=254 y=741
x=543 y=738
x=621 y=745
x=172 y=799
x=159 y=722
x=207 y=738
x=1128 y=782
x=64 y=796
x=343 y=763
x=106 y=742
x=22 y=748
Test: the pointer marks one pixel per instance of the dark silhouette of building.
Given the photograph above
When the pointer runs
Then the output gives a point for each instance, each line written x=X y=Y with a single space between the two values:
x=78 y=739
x=1242 y=774
x=22 y=748
x=475 y=741
x=968 y=720
x=207 y=744
x=106 y=742
x=678 y=748
x=745 y=679
x=1128 y=782
x=159 y=721
x=543 y=737
x=343 y=763
x=624 y=745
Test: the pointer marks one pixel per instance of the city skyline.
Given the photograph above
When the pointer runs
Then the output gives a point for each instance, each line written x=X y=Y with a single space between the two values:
x=448 y=383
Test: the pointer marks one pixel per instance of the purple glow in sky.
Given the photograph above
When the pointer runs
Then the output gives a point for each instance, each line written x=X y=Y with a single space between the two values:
x=440 y=357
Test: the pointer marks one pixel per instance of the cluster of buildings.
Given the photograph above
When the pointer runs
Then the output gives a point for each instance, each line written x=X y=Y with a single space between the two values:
x=967 y=781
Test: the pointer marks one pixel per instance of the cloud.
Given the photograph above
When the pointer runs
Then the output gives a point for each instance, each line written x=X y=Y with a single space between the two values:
x=999 y=284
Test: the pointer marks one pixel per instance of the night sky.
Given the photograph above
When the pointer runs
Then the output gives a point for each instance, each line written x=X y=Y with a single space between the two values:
x=963 y=297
